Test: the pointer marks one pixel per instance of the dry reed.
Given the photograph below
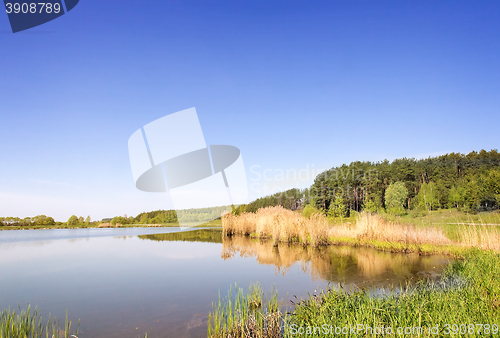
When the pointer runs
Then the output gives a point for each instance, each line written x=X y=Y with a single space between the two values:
x=280 y=224
x=286 y=226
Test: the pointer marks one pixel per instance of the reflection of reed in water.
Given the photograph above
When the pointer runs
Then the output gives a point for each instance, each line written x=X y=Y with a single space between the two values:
x=331 y=263
x=282 y=257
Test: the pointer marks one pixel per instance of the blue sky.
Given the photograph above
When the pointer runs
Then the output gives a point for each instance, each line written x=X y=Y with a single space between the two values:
x=293 y=84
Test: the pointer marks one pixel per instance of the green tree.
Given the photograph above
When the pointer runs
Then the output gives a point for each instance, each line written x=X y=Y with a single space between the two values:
x=87 y=220
x=119 y=220
x=427 y=197
x=472 y=194
x=395 y=197
x=338 y=207
x=370 y=206
x=42 y=220
x=72 y=221
x=144 y=219
x=456 y=197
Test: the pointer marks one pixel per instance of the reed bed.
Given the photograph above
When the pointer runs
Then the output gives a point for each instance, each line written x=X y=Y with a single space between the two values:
x=287 y=226
x=29 y=324
x=246 y=315
x=281 y=225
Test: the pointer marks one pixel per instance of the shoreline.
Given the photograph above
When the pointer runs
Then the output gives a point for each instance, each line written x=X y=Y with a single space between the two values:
x=450 y=250
x=168 y=225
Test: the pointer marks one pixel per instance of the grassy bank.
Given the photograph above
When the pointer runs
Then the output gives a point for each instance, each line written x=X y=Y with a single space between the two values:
x=467 y=294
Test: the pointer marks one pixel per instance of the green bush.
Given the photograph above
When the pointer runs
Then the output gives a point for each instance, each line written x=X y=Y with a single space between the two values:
x=310 y=210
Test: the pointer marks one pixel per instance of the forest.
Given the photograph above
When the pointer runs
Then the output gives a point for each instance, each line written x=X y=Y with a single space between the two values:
x=469 y=182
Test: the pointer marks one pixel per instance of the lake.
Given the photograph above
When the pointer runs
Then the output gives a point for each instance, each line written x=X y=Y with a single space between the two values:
x=162 y=281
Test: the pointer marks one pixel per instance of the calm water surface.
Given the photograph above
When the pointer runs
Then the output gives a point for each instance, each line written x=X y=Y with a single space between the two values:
x=126 y=282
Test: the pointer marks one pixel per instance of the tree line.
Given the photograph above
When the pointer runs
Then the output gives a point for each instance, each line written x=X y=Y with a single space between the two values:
x=40 y=220
x=470 y=182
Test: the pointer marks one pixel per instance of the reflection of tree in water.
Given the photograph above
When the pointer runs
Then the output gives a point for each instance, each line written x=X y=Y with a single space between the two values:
x=205 y=235
x=334 y=263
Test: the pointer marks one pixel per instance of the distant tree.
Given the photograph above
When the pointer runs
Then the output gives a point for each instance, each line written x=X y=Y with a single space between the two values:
x=119 y=220
x=42 y=220
x=491 y=189
x=26 y=221
x=73 y=220
x=428 y=197
x=87 y=220
x=144 y=219
x=238 y=210
x=395 y=197
x=291 y=199
x=456 y=197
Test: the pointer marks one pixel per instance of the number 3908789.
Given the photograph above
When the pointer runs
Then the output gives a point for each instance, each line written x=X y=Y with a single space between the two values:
x=33 y=7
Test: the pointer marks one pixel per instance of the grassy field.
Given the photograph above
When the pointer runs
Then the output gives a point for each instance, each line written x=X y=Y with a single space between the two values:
x=451 y=221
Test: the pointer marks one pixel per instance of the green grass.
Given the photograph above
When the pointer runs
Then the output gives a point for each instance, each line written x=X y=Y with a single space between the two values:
x=450 y=220
x=246 y=315
x=29 y=324
x=402 y=247
x=468 y=293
